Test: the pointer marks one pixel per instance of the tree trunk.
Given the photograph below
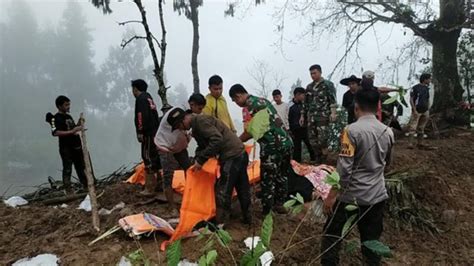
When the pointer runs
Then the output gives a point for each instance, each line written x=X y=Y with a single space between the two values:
x=446 y=80
x=195 y=51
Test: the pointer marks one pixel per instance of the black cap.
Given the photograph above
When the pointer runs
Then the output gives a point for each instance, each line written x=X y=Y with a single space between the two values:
x=175 y=117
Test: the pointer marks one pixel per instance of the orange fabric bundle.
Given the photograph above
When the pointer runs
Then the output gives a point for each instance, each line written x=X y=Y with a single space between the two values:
x=198 y=199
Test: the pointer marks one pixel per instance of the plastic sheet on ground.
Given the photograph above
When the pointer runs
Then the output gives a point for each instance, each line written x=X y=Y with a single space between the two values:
x=124 y=262
x=186 y=262
x=85 y=204
x=15 y=201
x=40 y=260
x=316 y=175
x=143 y=223
x=266 y=258
x=104 y=211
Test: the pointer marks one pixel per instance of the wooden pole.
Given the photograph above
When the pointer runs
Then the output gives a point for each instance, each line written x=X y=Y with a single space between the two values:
x=90 y=176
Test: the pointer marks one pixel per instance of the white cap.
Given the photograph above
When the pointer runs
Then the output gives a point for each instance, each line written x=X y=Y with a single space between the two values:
x=368 y=74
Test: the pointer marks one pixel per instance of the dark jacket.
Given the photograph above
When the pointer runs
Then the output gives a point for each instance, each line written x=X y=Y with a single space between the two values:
x=294 y=116
x=146 y=115
x=214 y=138
x=349 y=104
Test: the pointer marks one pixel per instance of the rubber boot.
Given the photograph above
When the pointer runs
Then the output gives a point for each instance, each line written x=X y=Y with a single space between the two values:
x=411 y=141
x=150 y=184
x=172 y=206
x=222 y=216
x=420 y=144
x=246 y=217
x=159 y=182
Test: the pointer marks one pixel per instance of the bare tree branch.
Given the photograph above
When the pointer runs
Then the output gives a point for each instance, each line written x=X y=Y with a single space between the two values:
x=125 y=42
x=128 y=22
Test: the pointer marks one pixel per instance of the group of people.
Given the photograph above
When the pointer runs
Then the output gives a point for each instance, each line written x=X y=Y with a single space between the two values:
x=366 y=145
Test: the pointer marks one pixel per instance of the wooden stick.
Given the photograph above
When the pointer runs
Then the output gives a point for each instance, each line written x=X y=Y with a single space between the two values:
x=90 y=177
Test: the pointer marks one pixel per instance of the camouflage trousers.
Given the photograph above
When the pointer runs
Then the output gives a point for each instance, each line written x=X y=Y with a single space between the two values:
x=274 y=172
x=318 y=133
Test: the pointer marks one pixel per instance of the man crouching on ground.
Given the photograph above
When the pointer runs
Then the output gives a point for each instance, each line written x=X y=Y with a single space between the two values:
x=366 y=148
x=215 y=139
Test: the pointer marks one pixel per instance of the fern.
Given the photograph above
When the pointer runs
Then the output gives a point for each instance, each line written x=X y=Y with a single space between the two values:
x=173 y=253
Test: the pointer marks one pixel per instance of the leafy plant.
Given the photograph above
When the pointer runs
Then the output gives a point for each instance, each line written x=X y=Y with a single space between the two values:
x=138 y=257
x=333 y=180
x=378 y=248
x=252 y=257
x=173 y=253
x=400 y=95
x=208 y=259
x=295 y=205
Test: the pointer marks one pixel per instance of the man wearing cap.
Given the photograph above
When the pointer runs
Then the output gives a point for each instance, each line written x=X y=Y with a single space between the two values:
x=172 y=147
x=368 y=78
x=281 y=108
x=348 y=99
x=146 y=124
x=215 y=139
x=319 y=108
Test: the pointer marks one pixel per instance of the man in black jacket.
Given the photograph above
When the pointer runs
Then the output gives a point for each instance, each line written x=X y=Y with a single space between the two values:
x=70 y=146
x=348 y=99
x=298 y=132
x=146 y=124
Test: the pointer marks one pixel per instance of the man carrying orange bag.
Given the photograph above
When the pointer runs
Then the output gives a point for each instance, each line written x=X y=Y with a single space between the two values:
x=215 y=139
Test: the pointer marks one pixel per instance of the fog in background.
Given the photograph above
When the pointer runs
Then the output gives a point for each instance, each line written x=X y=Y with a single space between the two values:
x=49 y=48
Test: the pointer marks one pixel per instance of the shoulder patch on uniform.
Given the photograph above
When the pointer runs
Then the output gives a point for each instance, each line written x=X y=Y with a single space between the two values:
x=347 y=147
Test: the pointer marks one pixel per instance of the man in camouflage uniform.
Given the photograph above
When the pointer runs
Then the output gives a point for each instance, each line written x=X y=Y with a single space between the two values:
x=319 y=108
x=275 y=150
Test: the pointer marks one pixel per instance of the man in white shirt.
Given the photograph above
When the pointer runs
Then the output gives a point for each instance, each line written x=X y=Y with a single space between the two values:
x=281 y=108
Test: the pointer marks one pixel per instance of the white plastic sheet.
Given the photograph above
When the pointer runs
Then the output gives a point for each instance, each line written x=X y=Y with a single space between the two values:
x=266 y=258
x=124 y=262
x=15 y=201
x=186 y=262
x=86 y=204
x=40 y=260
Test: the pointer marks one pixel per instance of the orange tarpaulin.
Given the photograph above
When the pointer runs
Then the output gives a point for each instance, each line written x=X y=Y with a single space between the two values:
x=139 y=178
x=198 y=199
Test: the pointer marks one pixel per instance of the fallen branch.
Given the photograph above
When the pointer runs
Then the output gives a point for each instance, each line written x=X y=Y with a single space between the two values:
x=64 y=199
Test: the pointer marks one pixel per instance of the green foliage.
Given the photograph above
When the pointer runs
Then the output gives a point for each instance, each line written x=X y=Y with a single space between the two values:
x=208 y=259
x=351 y=207
x=252 y=257
x=348 y=224
x=267 y=230
x=223 y=237
x=138 y=257
x=351 y=246
x=295 y=205
x=333 y=180
x=173 y=253
x=378 y=248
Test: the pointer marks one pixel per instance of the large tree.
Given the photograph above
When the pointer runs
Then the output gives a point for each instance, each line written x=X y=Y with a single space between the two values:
x=150 y=38
x=190 y=9
x=439 y=24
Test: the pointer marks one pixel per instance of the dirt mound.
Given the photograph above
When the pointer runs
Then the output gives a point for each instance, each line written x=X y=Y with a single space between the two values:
x=444 y=187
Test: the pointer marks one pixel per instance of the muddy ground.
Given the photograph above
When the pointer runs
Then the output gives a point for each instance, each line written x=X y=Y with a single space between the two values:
x=445 y=188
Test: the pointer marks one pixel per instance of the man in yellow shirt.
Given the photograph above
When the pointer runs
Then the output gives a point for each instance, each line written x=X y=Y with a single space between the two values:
x=216 y=104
